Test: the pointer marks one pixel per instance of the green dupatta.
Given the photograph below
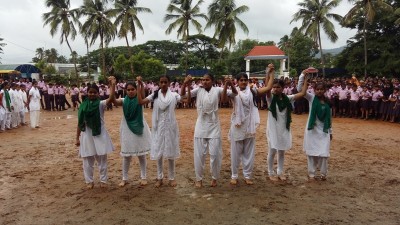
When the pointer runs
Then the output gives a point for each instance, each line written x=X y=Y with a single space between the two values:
x=282 y=104
x=322 y=112
x=133 y=113
x=89 y=115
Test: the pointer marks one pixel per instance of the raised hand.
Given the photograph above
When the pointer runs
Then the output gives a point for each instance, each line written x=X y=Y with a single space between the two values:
x=139 y=80
x=188 y=79
x=112 y=80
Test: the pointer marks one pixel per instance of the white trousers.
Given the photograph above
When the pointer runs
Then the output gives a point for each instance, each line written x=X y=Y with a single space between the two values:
x=126 y=161
x=22 y=117
x=214 y=147
x=34 y=116
x=171 y=169
x=6 y=122
x=281 y=160
x=242 y=151
x=15 y=119
x=88 y=167
x=315 y=162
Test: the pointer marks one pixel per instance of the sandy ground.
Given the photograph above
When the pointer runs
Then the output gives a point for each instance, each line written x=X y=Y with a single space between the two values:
x=41 y=179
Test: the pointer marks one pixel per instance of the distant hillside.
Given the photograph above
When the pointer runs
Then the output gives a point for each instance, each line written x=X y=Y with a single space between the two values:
x=333 y=51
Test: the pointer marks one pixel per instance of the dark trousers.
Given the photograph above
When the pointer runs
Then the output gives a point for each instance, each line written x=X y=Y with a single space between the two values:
x=51 y=101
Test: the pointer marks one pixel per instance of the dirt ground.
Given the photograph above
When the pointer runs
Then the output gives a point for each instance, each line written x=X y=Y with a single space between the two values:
x=41 y=179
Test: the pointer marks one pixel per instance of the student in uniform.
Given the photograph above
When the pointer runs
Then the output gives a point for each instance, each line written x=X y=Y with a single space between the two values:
x=34 y=105
x=164 y=130
x=278 y=130
x=51 y=91
x=92 y=137
x=134 y=131
x=7 y=105
x=244 y=121
x=318 y=132
x=207 y=131
x=375 y=101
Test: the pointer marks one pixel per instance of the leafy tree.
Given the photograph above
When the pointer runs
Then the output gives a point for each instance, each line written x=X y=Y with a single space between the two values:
x=367 y=8
x=183 y=14
x=223 y=16
x=203 y=47
x=127 y=20
x=63 y=18
x=167 y=51
x=315 y=15
x=98 y=24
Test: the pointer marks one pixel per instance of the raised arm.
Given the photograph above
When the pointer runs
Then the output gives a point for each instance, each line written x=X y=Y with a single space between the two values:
x=269 y=80
x=228 y=82
x=140 y=91
x=112 y=98
x=186 y=83
x=304 y=81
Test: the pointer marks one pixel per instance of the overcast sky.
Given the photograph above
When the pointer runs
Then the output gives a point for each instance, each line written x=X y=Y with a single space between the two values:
x=21 y=26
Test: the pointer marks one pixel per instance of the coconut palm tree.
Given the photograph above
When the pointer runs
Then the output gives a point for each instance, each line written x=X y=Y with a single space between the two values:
x=183 y=14
x=2 y=44
x=98 y=24
x=397 y=13
x=315 y=14
x=368 y=9
x=223 y=15
x=127 y=20
x=63 y=18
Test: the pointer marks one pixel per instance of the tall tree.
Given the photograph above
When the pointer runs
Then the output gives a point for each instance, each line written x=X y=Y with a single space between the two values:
x=183 y=14
x=2 y=44
x=223 y=16
x=63 y=18
x=314 y=14
x=127 y=20
x=98 y=24
x=368 y=9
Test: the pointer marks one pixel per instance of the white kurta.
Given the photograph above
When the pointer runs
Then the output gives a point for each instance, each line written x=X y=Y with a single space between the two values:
x=34 y=102
x=208 y=124
x=96 y=145
x=278 y=136
x=165 y=130
x=133 y=144
x=316 y=141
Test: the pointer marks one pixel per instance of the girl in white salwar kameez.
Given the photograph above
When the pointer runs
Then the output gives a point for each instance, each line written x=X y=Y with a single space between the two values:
x=318 y=132
x=164 y=130
x=34 y=105
x=207 y=131
x=244 y=121
x=135 y=133
x=92 y=137
x=278 y=131
x=6 y=109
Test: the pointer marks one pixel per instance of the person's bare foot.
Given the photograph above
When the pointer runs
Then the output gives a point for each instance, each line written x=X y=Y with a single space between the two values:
x=143 y=182
x=273 y=178
x=311 y=179
x=198 y=184
x=103 y=185
x=158 y=183
x=234 y=181
x=282 y=177
x=172 y=183
x=123 y=183
x=248 y=181
x=213 y=183
x=90 y=185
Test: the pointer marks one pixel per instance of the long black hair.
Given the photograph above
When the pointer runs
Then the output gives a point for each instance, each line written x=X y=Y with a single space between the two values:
x=94 y=86
x=156 y=92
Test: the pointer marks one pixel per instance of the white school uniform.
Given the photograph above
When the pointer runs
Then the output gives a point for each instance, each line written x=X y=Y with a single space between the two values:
x=95 y=148
x=6 y=121
x=165 y=132
x=34 y=106
x=207 y=131
x=244 y=121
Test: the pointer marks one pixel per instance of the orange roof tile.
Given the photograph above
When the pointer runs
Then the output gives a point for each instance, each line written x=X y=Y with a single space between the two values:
x=265 y=50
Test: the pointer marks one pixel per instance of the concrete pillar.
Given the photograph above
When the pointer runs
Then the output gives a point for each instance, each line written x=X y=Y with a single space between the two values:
x=248 y=67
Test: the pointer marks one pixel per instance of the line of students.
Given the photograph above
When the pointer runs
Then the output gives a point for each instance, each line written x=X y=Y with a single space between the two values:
x=15 y=102
x=162 y=142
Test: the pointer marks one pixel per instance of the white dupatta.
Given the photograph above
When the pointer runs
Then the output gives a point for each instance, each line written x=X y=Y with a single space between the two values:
x=163 y=103
x=245 y=98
